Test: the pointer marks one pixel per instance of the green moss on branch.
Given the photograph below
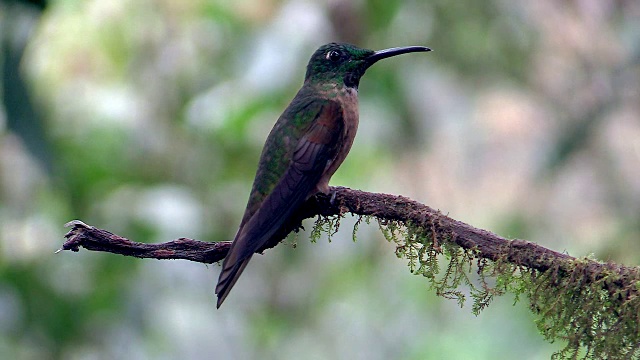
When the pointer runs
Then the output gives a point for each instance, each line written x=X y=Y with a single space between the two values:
x=593 y=306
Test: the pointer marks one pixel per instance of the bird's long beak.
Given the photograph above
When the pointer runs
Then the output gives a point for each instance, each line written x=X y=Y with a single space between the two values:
x=383 y=54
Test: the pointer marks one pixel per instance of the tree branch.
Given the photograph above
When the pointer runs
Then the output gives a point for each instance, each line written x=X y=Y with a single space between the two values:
x=382 y=206
x=592 y=305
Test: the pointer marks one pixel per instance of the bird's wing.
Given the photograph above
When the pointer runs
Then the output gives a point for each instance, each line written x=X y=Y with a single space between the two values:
x=313 y=152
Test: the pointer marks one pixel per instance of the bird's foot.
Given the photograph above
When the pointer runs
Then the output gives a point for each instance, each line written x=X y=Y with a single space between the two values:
x=334 y=193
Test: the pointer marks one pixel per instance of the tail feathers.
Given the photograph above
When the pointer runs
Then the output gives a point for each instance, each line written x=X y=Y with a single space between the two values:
x=228 y=278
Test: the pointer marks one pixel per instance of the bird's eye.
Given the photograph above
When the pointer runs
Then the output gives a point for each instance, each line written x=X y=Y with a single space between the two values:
x=333 y=55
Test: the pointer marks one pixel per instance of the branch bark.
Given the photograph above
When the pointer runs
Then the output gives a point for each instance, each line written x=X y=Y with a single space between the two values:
x=382 y=206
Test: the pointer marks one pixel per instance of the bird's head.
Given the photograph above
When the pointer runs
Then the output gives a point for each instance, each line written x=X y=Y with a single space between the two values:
x=336 y=62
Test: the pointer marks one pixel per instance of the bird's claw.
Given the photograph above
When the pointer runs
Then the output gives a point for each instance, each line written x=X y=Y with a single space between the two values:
x=334 y=193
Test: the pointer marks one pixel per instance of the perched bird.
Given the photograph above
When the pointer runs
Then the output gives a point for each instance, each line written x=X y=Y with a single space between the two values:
x=305 y=147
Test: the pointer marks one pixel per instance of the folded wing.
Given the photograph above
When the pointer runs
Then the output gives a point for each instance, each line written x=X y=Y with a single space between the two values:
x=314 y=151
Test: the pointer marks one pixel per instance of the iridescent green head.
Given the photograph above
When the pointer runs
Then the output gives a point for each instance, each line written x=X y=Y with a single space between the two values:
x=336 y=62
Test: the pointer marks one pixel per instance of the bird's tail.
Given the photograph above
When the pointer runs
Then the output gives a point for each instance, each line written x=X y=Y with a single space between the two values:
x=228 y=277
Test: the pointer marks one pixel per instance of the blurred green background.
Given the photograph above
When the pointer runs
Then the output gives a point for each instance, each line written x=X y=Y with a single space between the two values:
x=147 y=118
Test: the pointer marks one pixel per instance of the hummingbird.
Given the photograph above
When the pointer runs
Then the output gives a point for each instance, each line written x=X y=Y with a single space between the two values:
x=304 y=149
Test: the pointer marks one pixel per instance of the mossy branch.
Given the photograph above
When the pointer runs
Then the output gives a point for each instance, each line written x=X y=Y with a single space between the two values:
x=594 y=306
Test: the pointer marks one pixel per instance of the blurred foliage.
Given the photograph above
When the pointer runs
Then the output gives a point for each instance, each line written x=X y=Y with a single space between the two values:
x=147 y=118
